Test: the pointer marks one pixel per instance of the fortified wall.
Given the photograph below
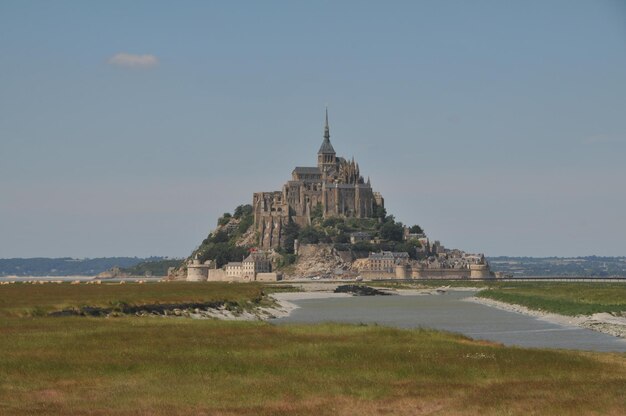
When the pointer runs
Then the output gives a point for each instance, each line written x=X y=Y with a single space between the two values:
x=256 y=267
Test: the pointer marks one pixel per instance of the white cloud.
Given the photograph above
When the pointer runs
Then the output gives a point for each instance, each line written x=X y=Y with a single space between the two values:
x=130 y=60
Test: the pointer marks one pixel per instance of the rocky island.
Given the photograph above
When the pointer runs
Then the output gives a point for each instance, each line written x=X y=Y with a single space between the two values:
x=326 y=222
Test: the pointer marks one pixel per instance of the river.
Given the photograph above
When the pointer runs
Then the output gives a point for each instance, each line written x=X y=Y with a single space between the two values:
x=449 y=312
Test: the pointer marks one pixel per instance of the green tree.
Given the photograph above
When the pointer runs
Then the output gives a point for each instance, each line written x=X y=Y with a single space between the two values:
x=309 y=235
x=380 y=212
x=245 y=224
x=332 y=222
x=224 y=219
x=342 y=238
x=286 y=260
x=317 y=212
x=409 y=246
x=392 y=231
x=243 y=211
x=416 y=229
x=364 y=246
x=219 y=237
x=222 y=253
x=290 y=232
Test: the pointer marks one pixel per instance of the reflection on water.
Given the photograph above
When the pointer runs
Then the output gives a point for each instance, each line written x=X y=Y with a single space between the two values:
x=450 y=313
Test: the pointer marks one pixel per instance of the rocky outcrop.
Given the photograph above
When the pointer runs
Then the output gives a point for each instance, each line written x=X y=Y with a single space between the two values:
x=359 y=265
x=248 y=238
x=319 y=260
x=360 y=290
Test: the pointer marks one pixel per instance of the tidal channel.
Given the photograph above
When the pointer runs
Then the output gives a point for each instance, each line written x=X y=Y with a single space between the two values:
x=450 y=312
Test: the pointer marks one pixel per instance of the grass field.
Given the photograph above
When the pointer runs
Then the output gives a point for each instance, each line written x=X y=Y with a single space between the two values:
x=34 y=300
x=566 y=298
x=563 y=298
x=176 y=366
x=160 y=366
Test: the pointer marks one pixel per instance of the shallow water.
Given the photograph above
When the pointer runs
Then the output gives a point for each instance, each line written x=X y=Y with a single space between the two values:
x=450 y=313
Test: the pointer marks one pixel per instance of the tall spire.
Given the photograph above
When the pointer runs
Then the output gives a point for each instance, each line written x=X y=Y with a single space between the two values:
x=326 y=147
x=326 y=128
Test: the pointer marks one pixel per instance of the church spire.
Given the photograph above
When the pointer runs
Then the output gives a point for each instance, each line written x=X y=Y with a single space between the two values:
x=326 y=128
x=326 y=147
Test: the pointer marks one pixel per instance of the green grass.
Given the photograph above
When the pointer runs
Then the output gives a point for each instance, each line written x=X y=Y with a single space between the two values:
x=158 y=366
x=566 y=298
x=175 y=366
x=37 y=300
x=563 y=298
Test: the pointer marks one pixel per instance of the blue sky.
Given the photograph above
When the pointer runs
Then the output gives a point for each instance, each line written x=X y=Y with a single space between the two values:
x=127 y=128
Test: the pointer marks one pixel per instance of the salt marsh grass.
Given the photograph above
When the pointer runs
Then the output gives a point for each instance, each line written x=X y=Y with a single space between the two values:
x=158 y=366
x=37 y=300
x=563 y=298
x=176 y=366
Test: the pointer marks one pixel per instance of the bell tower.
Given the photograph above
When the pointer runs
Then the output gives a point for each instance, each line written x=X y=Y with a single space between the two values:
x=326 y=156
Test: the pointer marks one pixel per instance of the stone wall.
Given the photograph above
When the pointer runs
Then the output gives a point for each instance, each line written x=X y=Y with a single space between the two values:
x=440 y=274
x=376 y=275
x=217 y=275
x=400 y=272
x=271 y=214
x=269 y=277
x=197 y=272
x=480 y=271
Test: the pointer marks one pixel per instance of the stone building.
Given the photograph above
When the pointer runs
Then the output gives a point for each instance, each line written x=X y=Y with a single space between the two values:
x=453 y=264
x=333 y=188
x=256 y=266
x=248 y=268
x=386 y=261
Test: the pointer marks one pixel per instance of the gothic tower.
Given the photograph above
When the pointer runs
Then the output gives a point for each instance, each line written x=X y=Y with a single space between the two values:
x=326 y=156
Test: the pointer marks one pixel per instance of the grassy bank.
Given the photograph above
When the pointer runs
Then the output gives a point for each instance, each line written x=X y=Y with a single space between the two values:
x=36 y=300
x=563 y=298
x=175 y=366
x=157 y=366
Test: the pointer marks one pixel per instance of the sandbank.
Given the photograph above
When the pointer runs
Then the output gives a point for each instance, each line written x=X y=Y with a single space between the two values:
x=600 y=322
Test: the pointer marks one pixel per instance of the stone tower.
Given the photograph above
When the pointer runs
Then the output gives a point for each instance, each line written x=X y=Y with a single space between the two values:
x=326 y=156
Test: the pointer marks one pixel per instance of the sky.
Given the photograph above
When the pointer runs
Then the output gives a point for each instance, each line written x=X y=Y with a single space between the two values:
x=128 y=128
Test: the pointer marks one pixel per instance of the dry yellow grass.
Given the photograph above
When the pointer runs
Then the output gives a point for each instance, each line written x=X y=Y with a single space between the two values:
x=177 y=366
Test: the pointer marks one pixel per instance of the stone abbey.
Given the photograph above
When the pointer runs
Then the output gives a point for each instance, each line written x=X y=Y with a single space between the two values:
x=334 y=188
x=379 y=247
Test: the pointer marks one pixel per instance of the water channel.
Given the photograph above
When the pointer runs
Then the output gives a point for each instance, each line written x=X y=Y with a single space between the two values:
x=450 y=312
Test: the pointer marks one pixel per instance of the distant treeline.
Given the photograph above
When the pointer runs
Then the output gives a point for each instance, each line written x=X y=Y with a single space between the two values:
x=66 y=266
x=588 y=266
x=153 y=267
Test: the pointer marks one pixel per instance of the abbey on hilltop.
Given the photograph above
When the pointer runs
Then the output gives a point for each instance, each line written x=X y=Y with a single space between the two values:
x=327 y=221
x=333 y=188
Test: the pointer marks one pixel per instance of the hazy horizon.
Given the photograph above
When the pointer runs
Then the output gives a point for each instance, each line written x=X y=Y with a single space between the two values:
x=127 y=129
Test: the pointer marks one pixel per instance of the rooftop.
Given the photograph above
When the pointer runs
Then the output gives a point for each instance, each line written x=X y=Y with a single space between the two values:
x=309 y=170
